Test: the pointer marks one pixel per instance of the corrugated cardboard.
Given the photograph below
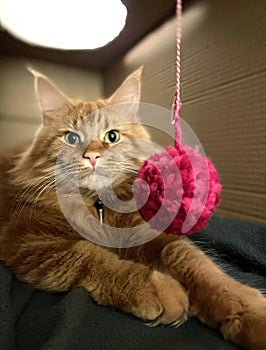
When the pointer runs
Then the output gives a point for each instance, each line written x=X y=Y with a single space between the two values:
x=223 y=91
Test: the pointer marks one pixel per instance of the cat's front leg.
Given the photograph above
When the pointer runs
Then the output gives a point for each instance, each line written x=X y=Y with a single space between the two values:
x=135 y=288
x=150 y=295
x=62 y=265
x=238 y=311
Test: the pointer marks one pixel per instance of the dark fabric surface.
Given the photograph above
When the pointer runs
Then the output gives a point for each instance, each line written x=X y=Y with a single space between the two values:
x=32 y=319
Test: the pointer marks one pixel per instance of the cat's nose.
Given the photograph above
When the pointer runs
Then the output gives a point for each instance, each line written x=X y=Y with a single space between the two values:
x=92 y=157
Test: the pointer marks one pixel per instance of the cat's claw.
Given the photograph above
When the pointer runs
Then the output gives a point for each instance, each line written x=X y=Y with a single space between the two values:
x=175 y=324
x=183 y=319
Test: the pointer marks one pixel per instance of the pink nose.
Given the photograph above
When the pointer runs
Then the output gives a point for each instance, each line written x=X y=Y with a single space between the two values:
x=92 y=157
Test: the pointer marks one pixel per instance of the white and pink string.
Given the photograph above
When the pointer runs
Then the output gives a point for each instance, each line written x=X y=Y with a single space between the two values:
x=176 y=107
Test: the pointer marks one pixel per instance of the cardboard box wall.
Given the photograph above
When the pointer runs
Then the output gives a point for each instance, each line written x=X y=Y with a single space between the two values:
x=223 y=91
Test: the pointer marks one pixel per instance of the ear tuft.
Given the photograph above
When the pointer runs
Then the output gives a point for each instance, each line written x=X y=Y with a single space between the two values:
x=49 y=96
x=129 y=91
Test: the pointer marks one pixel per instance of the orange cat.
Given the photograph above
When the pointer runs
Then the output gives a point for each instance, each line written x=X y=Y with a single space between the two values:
x=165 y=280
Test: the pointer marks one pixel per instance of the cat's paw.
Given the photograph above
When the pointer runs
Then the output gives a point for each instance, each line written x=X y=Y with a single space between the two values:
x=246 y=325
x=164 y=301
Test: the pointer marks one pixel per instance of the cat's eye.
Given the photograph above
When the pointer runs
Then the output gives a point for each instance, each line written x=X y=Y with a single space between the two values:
x=112 y=136
x=72 y=138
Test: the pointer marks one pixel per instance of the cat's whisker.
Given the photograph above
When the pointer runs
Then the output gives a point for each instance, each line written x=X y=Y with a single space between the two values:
x=49 y=170
x=20 y=205
x=48 y=186
x=31 y=190
x=122 y=167
x=43 y=188
x=41 y=184
x=24 y=191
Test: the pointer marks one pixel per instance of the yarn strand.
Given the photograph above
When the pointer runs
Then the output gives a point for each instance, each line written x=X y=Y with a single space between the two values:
x=176 y=107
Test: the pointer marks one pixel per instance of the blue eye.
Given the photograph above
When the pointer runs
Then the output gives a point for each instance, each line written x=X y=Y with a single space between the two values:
x=112 y=136
x=72 y=138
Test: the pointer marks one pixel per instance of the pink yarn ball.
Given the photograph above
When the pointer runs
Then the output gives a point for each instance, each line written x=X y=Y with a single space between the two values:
x=177 y=190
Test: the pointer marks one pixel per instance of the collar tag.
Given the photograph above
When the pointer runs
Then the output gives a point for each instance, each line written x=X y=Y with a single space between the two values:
x=99 y=207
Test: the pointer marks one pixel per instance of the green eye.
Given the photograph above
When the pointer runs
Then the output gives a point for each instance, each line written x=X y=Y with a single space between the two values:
x=72 y=138
x=112 y=136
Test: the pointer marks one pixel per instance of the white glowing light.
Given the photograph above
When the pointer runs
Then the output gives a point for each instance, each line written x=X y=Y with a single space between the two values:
x=64 y=24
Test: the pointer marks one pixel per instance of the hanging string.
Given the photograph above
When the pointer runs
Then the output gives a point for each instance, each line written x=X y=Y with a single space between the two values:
x=176 y=107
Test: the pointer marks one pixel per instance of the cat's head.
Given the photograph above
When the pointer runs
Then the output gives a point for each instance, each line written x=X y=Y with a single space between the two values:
x=91 y=143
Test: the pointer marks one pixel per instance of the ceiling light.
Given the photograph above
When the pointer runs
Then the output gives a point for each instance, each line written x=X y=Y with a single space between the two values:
x=64 y=24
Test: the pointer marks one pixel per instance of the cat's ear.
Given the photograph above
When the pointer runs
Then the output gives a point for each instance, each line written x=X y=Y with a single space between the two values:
x=129 y=92
x=49 y=96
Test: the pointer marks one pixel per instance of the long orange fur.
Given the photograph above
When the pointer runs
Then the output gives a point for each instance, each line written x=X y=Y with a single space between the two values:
x=164 y=281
